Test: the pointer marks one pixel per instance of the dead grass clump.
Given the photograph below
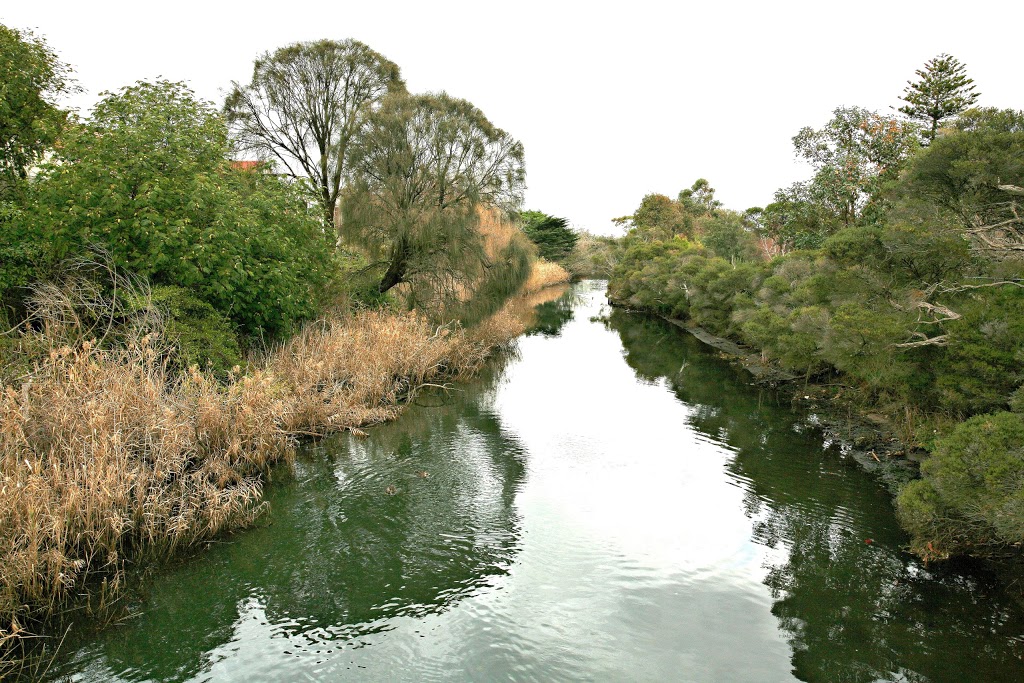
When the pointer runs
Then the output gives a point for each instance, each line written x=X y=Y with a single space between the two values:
x=357 y=371
x=106 y=460
x=544 y=274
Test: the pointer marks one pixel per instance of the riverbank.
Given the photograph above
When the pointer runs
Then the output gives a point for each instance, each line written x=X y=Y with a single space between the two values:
x=112 y=462
x=878 y=442
x=836 y=410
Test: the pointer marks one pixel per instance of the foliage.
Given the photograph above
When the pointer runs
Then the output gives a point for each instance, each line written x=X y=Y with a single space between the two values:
x=32 y=79
x=147 y=180
x=553 y=237
x=972 y=494
x=305 y=105
x=699 y=199
x=943 y=91
x=200 y=335
x=852 y=155
x=423 y=172
x=976 y=173
x=595 y=256
x=727 y=236
x=982 y=364
x=659 y=217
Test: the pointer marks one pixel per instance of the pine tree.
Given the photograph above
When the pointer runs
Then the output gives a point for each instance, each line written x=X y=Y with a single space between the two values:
x=943 y=92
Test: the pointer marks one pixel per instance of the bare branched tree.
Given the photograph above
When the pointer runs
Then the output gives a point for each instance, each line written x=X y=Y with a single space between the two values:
x=304 y=106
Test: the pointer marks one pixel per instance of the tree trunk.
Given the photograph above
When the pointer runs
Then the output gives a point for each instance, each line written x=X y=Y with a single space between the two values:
x=396 y=269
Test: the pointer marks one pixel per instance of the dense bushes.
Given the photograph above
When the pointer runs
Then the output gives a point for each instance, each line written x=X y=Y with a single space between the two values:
x=917 y=303
x=972 y=491
x=147 y=180
x=200 y=335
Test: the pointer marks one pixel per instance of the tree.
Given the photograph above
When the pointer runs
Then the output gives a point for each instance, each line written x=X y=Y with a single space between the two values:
x=553 y=237
x=699 y=199
x=943 y=91
x=853 y=155
x=147 y=180
x=305 y=105
x=423 y=171
x=658 y=218
x=726 y=235
x=31 y=78
x=976 y=172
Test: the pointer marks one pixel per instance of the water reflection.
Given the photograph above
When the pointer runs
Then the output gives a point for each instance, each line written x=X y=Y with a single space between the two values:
x=404 y=524
x=571 y=516
x=855 y=606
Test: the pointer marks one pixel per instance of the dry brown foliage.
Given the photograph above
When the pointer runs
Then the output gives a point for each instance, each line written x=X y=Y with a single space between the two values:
x=107 y=459
x=357 y=371
x=544 y=274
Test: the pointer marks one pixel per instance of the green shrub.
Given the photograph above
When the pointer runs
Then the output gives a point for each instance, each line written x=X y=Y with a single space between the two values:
x=971 y=494
x=200 y=334
x=148 y=180
x=981 y=365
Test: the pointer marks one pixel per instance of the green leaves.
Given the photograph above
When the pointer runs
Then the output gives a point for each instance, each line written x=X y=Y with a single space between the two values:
x=553 y=237
x=424 y=171
x=147 y=179
x=31 y=79
x=943 y=91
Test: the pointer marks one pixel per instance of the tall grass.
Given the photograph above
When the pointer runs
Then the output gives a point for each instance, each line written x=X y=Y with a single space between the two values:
x=109 y=460
x=544 y=274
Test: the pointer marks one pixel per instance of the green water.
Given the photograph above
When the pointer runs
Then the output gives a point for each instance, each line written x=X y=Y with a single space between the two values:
x=609 y=503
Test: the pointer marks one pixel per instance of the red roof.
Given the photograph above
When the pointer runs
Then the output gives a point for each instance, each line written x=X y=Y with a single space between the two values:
x=246 y=165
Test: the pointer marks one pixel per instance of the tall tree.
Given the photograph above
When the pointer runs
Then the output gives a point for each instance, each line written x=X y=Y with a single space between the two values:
x=31 y=79
x=554 y=238
x=304 y=106
x=147 y=179
x=699 y=198
x=421 y=173
x=853 y=154
x=943 y=91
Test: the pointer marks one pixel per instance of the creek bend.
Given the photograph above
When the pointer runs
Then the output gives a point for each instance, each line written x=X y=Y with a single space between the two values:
x=610 y=502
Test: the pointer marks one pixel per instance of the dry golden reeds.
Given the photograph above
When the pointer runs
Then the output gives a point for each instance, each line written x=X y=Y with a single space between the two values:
x=544 y=274
x=356 y=371
x=108 y=459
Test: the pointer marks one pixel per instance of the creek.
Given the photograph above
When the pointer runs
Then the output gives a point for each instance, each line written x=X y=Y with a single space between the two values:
x=611 y=501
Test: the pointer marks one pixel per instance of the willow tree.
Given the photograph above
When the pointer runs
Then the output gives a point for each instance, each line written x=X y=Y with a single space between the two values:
x=424 y=172
x=304 y=106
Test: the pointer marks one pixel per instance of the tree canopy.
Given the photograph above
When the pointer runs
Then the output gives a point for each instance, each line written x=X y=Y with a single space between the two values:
x=31 y=78
x=942 y=91
x=305 y=104
x=147 y=179
x=852 y=155
x=422 y=172
x=554 y=238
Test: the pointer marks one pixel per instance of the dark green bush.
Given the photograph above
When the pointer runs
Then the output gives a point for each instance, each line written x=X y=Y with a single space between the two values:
x=200 y=334
x=148 y=180
x=971 y=494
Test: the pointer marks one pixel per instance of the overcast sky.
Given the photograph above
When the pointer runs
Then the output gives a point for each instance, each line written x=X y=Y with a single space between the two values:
x=611 y=101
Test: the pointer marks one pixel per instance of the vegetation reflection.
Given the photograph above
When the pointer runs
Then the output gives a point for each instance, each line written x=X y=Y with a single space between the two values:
x=855 y=605
x=404 y=524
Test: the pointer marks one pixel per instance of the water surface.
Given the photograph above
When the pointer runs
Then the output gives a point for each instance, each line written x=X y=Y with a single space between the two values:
x=611 y=502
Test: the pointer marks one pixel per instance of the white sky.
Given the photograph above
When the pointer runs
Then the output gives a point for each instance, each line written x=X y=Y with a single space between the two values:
x=610 y=101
